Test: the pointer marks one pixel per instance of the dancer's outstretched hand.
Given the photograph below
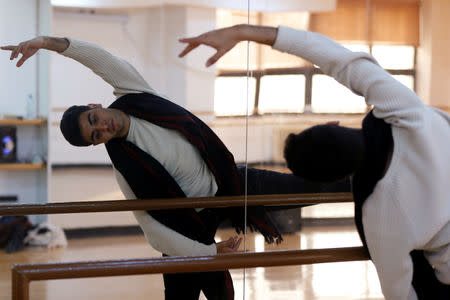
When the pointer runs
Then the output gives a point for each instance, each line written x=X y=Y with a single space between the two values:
x=223 y=40
x=229 y=246
x=27 y=49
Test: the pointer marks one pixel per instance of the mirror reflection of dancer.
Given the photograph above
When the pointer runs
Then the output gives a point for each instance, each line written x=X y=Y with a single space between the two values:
x=399 y=161
x=160 y=150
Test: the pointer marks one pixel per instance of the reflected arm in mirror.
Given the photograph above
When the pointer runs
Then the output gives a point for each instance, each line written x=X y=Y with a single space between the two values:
x=229 y=246
x=224 y=39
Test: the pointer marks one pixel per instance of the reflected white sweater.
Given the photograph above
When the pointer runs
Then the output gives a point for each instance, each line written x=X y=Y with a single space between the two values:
x=171 y=149
x=410 y=206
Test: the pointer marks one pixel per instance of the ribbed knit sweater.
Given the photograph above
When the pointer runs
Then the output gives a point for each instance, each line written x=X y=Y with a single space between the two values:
x=180 y=159
x=410 y=206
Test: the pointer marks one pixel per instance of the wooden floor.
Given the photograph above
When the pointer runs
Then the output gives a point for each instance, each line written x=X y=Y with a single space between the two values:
x=333 y=281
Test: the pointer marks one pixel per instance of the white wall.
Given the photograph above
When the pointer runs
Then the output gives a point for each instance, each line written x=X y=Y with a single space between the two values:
x=200 y=80
x=148 y=39
x=125 y=35
x=17 y=23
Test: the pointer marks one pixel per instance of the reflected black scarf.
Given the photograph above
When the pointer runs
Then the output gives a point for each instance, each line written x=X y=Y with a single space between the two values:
x=379 y=143
x=149 y=179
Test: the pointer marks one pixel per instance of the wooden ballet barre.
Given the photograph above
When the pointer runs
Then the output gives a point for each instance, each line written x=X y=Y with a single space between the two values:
x=22 y=275
x=173 y=203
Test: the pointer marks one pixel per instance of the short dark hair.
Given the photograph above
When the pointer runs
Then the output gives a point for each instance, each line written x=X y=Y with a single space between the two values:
x=324 y=153
x=70 y=126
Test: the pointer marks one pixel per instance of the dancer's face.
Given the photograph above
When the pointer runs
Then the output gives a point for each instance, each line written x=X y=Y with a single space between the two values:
x=99 y=125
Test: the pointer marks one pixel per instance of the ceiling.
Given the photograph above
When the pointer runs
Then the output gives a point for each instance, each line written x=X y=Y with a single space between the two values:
x=255 y=5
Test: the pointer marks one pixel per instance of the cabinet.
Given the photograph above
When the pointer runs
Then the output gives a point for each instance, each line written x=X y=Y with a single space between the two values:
x=31 y=154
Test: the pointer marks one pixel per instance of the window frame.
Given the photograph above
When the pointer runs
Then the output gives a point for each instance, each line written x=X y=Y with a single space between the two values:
x=308 y=72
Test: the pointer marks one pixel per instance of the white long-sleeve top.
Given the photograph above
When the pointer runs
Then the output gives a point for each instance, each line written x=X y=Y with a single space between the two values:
x=410 y=206
x=170 y=148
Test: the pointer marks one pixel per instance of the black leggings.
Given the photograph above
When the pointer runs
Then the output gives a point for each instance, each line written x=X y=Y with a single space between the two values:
x=424 y=281
x=265 y=182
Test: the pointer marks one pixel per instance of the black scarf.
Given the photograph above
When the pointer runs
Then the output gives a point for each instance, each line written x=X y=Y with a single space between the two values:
x=148 y=178
x=378 y=145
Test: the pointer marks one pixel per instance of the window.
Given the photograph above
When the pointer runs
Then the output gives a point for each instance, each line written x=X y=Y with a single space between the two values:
x=357 y=47
x=329 y=96
x=282 y=93
x=230 y=95
x=394 y=57
x=282 y=83
x=407 y=80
